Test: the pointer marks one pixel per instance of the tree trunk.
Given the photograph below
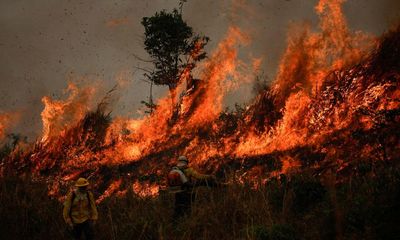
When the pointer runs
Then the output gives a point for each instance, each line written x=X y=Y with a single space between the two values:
x=174 y=113
x=151 y=97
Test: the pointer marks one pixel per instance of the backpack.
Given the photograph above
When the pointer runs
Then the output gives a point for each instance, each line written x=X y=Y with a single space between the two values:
x=73 y=198
x=176 y=178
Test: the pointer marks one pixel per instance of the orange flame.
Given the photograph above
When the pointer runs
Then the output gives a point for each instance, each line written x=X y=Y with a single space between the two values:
x=58 y=115
x=310 y=100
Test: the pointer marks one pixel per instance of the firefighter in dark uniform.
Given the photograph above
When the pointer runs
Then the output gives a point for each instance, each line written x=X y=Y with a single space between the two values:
x=181 y=181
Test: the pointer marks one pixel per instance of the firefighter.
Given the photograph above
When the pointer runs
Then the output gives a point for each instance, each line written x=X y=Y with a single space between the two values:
x=80 y=211
x=181 y=180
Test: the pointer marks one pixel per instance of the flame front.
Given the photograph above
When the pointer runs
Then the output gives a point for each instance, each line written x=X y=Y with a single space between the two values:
x=328 y=87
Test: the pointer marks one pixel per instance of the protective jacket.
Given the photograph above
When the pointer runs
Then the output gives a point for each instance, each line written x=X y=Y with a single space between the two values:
x=79 y=207
x=192 y=174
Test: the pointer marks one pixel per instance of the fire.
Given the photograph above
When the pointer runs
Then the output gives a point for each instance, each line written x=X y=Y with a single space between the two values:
x=133 y=152
x=58 y=115
x=330 y=85
x=308 y=60
x=110 y=190
x=5 y=123
x=145 y=189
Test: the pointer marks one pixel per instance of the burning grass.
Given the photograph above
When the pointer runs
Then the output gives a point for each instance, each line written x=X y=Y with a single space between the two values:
x=288 y=207
x=313 y=149
x=352 y=117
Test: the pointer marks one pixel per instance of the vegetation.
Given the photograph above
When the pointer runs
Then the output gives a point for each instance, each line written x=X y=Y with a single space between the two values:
x=173 y=47
x=297 y=206
x=357 y=199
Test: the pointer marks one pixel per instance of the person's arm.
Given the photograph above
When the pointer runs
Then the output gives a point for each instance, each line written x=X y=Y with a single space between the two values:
x=67 y=209
x=196 y=175
x=93 y=208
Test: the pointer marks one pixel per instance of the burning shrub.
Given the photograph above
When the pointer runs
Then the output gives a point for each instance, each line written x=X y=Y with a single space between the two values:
x=94 y=126
x=329 y=109
x=369 y=206
x=9 y=146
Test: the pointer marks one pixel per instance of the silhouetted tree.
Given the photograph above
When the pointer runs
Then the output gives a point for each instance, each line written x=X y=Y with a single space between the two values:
x=173 y=48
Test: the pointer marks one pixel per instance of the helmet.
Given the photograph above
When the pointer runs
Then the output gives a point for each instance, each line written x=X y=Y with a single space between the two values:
x=81 y=182
x=182 y=161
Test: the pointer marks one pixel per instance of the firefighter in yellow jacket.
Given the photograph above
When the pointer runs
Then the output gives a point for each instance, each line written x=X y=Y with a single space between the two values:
x=181 y=180
x=80 y=211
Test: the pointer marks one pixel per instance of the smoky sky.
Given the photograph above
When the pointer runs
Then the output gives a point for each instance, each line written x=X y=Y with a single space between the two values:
x=44 y=43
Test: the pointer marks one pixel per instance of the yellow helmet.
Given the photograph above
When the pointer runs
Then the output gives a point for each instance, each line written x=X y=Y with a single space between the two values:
x=182 y=161
x=81 y=182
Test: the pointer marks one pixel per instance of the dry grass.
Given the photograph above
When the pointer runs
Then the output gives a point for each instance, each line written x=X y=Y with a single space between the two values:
x=299 y=208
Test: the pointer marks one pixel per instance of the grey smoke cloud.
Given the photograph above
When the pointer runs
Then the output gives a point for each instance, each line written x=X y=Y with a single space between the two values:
x=45 y=42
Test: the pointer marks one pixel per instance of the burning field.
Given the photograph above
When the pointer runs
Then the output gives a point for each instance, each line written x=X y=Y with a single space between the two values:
x=314 y=155
x=334 y=104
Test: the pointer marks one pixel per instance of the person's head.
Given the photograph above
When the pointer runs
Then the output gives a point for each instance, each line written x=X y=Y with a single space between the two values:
x=182 y=162
x=81 y=184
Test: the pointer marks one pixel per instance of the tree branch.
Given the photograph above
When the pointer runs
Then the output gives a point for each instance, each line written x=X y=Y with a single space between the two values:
x=144 y=69
x=142 y=59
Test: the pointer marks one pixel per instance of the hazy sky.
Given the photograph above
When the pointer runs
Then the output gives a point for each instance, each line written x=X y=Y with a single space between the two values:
x=45 y=42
